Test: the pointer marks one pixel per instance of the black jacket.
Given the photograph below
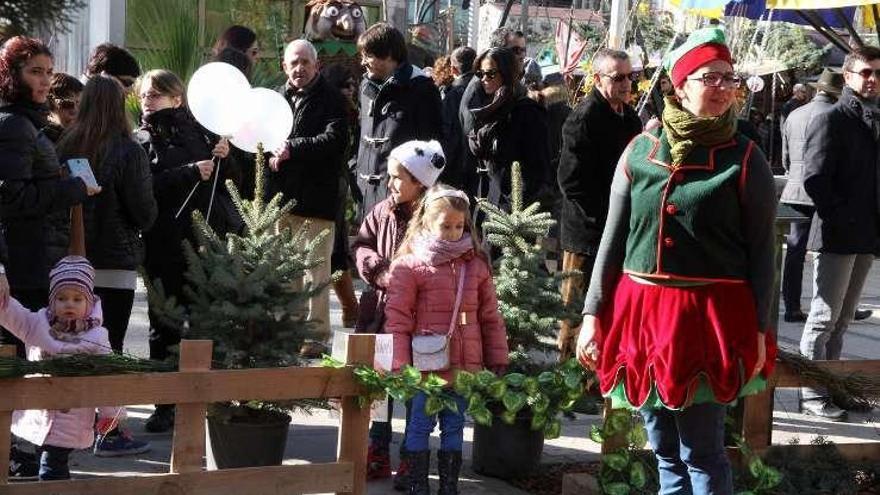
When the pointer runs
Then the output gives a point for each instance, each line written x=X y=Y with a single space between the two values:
x=404 y=108
x=521 y=136
x=318 y=142
x=593 y=137
x=794 y=136
x=840 y=175
x=173 y=142
x=454 y=139
x=30 y=189
x=125 y=206
x=472 y=97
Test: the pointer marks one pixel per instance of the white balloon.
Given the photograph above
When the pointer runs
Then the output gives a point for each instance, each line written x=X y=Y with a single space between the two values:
x=267 y=119
x=216 y=94
x=755 y=84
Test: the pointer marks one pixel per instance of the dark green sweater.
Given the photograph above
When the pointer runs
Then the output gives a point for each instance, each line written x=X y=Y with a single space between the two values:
x=709 y=220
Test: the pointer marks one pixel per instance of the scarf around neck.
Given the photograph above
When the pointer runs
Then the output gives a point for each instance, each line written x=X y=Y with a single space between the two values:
x=435 y=251
x=685 y=131
x=70 y=330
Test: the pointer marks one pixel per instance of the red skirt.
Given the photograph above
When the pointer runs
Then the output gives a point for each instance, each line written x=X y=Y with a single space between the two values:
x=667 y=338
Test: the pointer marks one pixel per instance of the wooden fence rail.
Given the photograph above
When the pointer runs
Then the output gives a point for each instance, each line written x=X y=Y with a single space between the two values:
x=758 y=410
x=192 y=388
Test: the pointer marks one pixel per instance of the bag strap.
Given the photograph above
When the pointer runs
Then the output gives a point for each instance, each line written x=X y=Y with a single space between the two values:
x=458 y=295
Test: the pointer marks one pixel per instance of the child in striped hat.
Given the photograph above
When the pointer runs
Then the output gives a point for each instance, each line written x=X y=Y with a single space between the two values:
x=71 y=324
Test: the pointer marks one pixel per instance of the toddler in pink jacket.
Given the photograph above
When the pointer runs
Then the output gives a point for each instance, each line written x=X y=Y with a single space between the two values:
x=71 y=324
x=440 y=245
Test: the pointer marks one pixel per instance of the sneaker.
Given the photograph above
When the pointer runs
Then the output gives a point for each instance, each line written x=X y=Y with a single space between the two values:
x=824 y=409
x=862 y=314
x=119 y=445
x=23 y=466
x=378 y=464
x=401 y=477
x=795 y=317
x=161 y=420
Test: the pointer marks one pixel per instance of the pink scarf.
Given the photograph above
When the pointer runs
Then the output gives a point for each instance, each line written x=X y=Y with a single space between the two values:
x=70 y=330
x=435 y=251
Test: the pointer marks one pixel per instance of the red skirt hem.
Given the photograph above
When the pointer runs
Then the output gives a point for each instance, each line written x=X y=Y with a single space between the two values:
x=666 y=337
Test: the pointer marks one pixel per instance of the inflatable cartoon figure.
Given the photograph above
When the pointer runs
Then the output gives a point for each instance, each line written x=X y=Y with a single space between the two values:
x=341 y=20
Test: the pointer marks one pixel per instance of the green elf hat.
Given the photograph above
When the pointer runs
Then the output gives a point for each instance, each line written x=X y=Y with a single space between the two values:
x=702 y=47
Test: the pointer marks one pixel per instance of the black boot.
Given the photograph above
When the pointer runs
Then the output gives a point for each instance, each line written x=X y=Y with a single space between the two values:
x=448 y=465
x=401 y=477
x=419 y=462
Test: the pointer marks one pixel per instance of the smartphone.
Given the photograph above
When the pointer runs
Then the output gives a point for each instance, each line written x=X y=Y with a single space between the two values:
x=80 y=167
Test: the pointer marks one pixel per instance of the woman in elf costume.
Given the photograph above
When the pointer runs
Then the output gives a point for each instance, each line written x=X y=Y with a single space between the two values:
x=679 y=303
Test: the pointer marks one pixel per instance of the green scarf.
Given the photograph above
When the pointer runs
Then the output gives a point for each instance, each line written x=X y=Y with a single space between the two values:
x=685 y=131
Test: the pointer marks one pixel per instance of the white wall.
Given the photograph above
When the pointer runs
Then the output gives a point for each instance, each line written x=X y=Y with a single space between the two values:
x=99 y=22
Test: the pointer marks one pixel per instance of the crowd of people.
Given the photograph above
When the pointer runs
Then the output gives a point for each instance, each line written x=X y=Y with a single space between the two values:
x=668 y=225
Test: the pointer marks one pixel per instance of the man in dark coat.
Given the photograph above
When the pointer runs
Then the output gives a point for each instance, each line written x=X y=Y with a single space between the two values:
x=308 y=168
x=794 y=135
x=454 y=140
x=593 y=138
x=398 y=103
x=840 y=176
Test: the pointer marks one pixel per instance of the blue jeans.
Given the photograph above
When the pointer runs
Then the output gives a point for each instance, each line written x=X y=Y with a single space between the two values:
x=689 y=446
x=421 y=425
x=54 y=463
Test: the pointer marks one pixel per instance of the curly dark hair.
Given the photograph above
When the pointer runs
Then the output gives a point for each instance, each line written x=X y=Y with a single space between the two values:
x=114 y=60
x=64 y=87
x=14 y=54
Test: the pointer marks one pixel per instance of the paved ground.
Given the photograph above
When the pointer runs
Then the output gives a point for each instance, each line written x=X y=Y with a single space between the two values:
x=313 y=438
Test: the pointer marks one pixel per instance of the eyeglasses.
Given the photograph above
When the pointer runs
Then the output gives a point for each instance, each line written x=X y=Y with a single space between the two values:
x=717 y=79
x=150 y=96
x=866 y=73
x=620 y=77
x=66 y=104
x=489 y=74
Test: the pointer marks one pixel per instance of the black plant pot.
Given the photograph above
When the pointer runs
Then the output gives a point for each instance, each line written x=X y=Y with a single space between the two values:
x=507 y=451
x=235 y=444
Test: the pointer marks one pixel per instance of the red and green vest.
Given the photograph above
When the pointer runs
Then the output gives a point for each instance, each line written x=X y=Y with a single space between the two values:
x=685 y=221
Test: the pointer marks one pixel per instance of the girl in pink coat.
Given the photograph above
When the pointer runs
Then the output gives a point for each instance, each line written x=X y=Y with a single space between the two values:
x=70 y=325
x=425 y=277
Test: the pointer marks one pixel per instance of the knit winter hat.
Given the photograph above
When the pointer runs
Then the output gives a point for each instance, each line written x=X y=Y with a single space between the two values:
x=702 y=46
x=72 y=272
x=423 y=159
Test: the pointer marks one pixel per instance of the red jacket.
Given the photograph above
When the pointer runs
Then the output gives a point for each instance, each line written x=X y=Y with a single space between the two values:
x=421 y=297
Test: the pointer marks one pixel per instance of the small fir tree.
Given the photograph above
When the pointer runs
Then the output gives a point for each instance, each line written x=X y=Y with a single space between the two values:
x=246 y=292
x=528 y=295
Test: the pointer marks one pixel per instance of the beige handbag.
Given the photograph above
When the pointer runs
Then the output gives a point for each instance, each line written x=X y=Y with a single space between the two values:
x=430 y=352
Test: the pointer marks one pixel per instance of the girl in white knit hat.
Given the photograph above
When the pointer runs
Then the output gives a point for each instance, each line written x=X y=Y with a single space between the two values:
x=413 y=167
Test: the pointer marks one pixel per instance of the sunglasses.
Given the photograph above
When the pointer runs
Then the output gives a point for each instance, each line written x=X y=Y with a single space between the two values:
x=717 y=79
x=632 y=76
x=489 y=74
x=866 y=73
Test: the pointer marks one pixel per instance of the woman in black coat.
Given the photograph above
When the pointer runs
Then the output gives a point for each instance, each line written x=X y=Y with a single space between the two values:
x=31 y=186
x=113 y=220
x=180 y=153
x=511 y=127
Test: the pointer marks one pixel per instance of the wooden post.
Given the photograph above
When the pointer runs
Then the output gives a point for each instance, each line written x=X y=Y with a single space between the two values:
x=188 y=445
x=5 y=425
x=355 y=421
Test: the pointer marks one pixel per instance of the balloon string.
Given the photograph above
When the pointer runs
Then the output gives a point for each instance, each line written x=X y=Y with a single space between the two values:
x=187 y=199
x=218 y=161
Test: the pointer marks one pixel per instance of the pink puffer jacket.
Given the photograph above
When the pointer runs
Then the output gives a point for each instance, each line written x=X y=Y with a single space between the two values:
x=70 y=428
x=422 y=297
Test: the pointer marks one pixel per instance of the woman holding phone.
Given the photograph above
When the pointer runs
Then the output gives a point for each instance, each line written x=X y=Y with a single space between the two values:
x=115 y=218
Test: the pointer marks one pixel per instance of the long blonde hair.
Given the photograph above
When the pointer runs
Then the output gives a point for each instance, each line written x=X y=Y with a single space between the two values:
x=429 y=208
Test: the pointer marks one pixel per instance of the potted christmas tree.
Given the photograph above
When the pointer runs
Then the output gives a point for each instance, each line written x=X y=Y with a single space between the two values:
x=244 y=294
x=531 y=305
